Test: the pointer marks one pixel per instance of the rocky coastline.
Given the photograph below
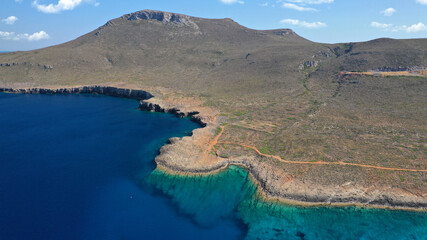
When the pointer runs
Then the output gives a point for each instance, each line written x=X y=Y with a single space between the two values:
x=180 y=157
x=102 y=90
x=187 y=156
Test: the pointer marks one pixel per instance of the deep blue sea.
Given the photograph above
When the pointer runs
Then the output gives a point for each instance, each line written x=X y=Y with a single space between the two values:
x=82 y=167
x=71 y=168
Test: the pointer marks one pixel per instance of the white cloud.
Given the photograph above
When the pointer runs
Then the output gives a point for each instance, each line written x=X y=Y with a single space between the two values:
x=305 y=24
x=301 y=5
x=18 y=1
x=388 y=12
x=38 y=36
x=381 y=25
x=298 y=8
x=24 y=36
x=232 y=1
x=424 y=2
x=62 y=5
x=311 y=1
x=10 y=20
x=414 y=28
x=6 y=35
x=264 y=4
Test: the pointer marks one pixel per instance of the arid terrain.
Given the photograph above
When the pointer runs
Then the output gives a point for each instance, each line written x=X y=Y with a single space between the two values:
x=312 y=122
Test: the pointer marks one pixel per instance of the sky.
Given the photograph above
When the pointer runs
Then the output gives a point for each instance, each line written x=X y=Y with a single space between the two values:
x=32 y=24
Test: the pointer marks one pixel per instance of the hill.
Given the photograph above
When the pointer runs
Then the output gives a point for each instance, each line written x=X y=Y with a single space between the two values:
x=271 y=90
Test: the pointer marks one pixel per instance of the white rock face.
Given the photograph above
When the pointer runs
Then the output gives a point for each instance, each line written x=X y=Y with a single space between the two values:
x=164 y=17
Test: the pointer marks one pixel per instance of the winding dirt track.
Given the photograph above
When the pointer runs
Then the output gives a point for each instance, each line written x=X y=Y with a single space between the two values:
x=215 y=141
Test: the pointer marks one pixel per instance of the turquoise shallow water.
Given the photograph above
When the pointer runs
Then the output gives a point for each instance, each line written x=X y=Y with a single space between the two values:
x=208 y=199
x=81 y=167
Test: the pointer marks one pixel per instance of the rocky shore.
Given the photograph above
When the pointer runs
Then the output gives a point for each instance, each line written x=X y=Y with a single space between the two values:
x=190 y=155
x=103 y=90
x=183 y=156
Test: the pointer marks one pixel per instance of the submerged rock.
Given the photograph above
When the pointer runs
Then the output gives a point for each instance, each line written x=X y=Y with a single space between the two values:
x=230 y=194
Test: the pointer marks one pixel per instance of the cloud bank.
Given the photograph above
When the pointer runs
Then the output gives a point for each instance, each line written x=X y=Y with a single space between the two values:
x=24 y=36
x=414 y=28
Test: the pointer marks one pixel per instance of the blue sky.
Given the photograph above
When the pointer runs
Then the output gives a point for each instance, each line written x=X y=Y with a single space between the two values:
x=31 y=24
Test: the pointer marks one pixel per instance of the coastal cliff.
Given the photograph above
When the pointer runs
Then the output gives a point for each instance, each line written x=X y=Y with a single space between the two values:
x=191 y=155
x=103 y=90
x=183 y=156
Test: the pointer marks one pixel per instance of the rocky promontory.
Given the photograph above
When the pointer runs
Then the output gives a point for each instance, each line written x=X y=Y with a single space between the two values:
x=190 y=155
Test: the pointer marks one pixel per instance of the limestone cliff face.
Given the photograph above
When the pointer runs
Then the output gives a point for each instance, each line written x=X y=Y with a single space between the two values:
x=103 y=90
x=164 y=17
x=154 y=107
x=179 y=156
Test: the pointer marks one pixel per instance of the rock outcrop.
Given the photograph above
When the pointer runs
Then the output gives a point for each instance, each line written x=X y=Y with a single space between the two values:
x=308 y=64
x=27 y=64
x=164 y=17
x=284 y=32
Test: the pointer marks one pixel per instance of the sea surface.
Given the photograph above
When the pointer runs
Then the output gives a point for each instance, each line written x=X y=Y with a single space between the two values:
x=82 y=167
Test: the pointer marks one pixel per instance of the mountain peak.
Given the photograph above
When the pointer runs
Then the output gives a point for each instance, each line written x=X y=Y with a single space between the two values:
x=161 y=16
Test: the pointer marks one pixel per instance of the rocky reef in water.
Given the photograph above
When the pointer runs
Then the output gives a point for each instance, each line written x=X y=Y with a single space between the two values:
x=230 y=193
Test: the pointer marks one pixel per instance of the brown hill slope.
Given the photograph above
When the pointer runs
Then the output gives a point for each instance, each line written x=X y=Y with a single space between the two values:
x=199 y=53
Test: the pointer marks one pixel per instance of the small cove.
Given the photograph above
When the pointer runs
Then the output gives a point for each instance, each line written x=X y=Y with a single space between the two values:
x=81 y=167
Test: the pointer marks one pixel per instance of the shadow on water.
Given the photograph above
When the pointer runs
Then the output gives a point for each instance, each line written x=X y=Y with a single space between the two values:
x=207 y=200
x=233 y=219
